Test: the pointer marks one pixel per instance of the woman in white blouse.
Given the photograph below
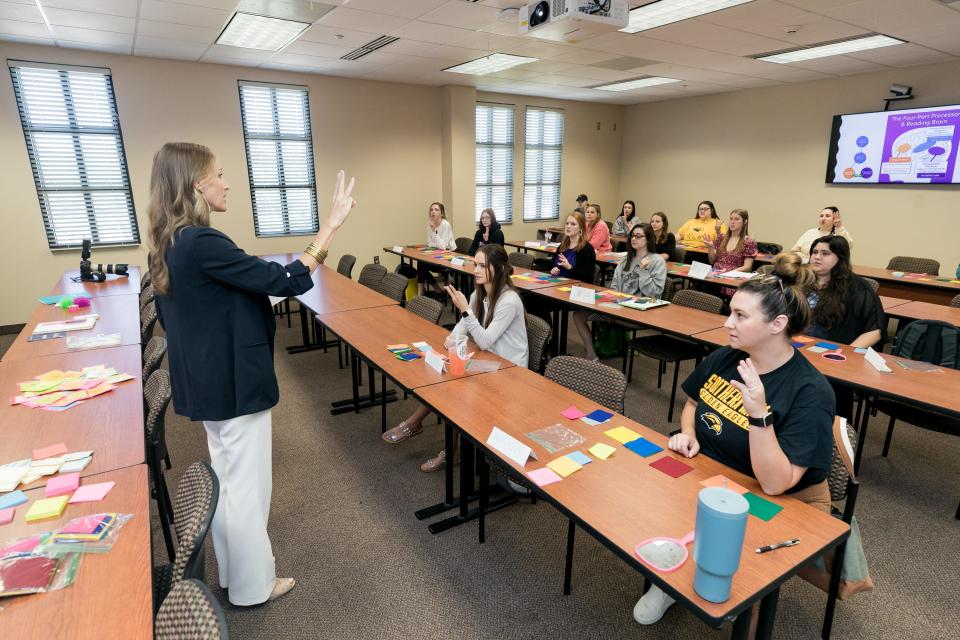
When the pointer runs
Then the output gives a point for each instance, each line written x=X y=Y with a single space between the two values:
x=439 y=236
x=830 y=225
x=493 y=318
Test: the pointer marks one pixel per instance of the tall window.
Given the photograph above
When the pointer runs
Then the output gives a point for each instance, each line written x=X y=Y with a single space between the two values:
x=541 y=164
x=70 y=123
x=279 y=145
x=495 y=160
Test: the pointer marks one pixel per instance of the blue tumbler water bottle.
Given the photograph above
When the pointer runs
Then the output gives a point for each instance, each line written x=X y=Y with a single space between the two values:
x=721 y=523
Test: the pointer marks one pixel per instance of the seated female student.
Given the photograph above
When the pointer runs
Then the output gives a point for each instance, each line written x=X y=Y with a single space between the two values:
x=759 y=406
x=829 y=225
x=733 y=251
x=626 y=219
x=493 y=318
x=666 y=242
x=575 y=257
x=702 y=228
x=642 y=273
x=439 y=236
x=489 y=231
x=598 y=233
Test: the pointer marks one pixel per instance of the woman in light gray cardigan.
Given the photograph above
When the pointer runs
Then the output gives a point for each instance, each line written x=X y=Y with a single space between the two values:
x=642 y=273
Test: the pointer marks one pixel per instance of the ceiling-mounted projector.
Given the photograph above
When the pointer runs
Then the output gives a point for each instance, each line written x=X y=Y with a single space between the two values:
x=573 y=20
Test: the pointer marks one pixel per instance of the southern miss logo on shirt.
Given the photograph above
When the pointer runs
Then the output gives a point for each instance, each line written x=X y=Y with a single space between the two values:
x=713 y=422
x=725 y=399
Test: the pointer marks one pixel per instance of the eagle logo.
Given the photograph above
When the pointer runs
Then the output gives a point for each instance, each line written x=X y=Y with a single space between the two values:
x=712 y=421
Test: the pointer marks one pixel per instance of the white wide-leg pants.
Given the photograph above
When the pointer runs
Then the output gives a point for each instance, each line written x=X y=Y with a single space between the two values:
x=241 y=455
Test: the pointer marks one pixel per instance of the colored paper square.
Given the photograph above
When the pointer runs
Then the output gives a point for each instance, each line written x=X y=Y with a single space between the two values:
x=761 y=507
x=723 y=482
x=602 y=450
x=572 y=413
x=408 y=356
x=62 y=484
x=580 y=457
x=12 y=499
x=46 y=508
x=643 y=447
x=829 y=346
x=599 y=416
x=397 y=347
x=563 y=289
x=564 y=466
x=543 y=477
x=91 y=492
x=816 y=349
x=671 y=466
x=73 y=466
x=6 y=515
x=622 y=435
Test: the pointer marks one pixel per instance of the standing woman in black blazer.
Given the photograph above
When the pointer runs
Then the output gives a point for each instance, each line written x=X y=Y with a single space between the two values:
x=212 y=301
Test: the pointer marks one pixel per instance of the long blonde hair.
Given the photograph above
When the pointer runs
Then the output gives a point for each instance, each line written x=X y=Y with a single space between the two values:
x=175 y=202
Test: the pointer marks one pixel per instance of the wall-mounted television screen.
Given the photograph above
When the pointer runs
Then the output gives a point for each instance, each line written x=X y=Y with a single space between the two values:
x=912 y=146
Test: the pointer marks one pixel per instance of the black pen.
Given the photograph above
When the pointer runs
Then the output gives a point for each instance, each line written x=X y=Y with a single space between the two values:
x=785 y=543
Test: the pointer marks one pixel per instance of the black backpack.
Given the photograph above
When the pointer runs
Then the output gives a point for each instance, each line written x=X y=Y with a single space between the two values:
x=930 y=341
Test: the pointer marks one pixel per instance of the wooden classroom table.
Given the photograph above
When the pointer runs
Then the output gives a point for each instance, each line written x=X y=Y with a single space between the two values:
x=699 y=252
x=118 y=314
x=112 y=596
x=606 y=258
x=622 y=501
x=420 y=253
x=681 y=270
x=531 y=285
x=926 y=311
x=924 y=288
x=110 y=424
x=113 y=286
x=889 y=303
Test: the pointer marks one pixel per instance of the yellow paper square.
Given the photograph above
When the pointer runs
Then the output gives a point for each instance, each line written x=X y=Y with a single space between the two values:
x=602 y=450
x=47 y=508
x=622 y=435
x=564 y=289
x=564 y=466
x=52 y=376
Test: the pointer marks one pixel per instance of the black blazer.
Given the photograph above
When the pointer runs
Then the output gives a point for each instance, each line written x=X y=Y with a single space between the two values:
x=496 y=237
x=584 y=266
x=220 y=325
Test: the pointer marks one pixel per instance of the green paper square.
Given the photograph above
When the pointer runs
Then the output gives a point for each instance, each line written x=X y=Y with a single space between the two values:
x=761 y=507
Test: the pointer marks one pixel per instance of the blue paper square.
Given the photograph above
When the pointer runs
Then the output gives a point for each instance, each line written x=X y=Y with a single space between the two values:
x=580 y=457
x=828 y=345
x=643 y=446
x=12 y=499
x=599 y=415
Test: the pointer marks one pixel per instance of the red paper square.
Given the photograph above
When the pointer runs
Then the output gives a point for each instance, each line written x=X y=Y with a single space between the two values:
x=671 y=466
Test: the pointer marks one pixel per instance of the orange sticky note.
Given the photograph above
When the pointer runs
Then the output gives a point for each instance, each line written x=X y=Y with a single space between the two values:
x=718 y=481
x=49 y=452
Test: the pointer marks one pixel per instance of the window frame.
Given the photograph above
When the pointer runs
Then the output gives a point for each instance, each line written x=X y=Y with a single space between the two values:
x=75 y=130
x=282 y=187
x=536 y=217
x=512 y=148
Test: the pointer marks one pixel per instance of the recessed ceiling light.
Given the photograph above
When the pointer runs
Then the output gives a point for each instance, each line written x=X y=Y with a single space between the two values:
x=830 y=49
x=639 y=83
x=260 y=32
x=657 y=14
x=490 y=64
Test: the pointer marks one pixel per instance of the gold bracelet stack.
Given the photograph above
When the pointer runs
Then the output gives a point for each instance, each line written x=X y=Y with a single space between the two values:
x=313 y=250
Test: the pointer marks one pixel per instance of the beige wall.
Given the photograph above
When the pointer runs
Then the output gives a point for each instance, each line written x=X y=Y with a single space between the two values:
x=766 y=150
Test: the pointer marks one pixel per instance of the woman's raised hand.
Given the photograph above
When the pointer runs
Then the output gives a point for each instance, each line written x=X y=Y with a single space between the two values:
x=342 y=201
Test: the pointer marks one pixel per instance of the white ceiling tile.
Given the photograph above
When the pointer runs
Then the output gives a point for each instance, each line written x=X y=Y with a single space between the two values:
x=401 y=8
x=21 y=12
x=714 y=37
x=183 y=14
x=160 y=47
x=756 y=12
x=547 y=66
x=441 y=34
x=362 y=20
x=87 y=20
x=328 y=35
x=412 y=47
x=947 y=42
x=225 y=5
x=279 y=66
x=519 y=73
x=297 y=59
x=7 y=37
x=236 y=54
x=317 y=49
x=582 y=56
x=25 y=29
x=172 y=31
x=454 y=54
x=904 y=55
x=95 y=46
x=839 y=65
x=92 y=36
x=124 y=8
x=458 y=13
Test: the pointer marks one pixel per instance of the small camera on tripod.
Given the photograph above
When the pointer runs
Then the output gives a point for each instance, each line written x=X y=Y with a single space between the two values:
x=99 y=274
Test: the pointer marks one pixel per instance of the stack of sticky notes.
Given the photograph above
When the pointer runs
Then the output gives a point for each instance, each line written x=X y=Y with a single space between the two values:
x=12 y=473
x=47 y=508
x=62 y=484
x=402 y=351
x=596 y=417
x=60 y=390
x=46 y=462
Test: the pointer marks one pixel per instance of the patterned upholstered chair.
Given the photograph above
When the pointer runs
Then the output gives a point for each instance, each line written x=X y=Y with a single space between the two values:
x=394 y=286
x=197 y=496
x=153 y=355
x=371 y=275
x=345 y=266
x=156 y=397
x=873 y=284
x=910 y=264
x=538 y=335
x=521 y=260
x=148 y=320
x=956 y=301
x=146 y=295
x=145 y=279
x=427 y=308
x=190 y=612
x=463 y=244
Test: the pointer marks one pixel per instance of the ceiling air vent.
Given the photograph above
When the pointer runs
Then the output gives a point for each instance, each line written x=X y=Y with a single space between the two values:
x=370 y=47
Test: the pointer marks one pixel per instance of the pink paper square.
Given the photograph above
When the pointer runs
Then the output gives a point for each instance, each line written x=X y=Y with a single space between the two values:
x=91 y=492
x=62 y=484
x=544 y=476
x=6 y=515
x=49 y=452
x=572 y=413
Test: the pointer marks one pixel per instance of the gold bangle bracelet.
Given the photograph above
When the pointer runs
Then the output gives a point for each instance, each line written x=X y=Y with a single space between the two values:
x=316 y=252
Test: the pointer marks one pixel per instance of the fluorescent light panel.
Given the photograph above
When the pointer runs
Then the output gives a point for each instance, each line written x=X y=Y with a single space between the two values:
x=640 y=83
x=251 y=31
x=833 y=49
x=490 y=64
x=657 y=14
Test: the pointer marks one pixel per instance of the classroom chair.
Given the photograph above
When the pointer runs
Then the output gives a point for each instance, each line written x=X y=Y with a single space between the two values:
x=148 y=319
x=538 y=336
x=153 y=354
x=190 y=612
x=394 y=286
x=371 y=275
x=956 y=301
x=680 y=254
x=910 y=264
x=670 y=287
x=146 y=295
x=664 y=348
x=427 y=308
x=769 y=247
x=145 y=279
x=765 y=270
x=197 y=496
x=521 y=260
x=345 y=266
x=873 y=283
x=156 y=398
x=463 y=244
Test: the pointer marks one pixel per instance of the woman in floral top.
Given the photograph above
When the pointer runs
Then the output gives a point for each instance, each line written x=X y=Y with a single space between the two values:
x=733 y=251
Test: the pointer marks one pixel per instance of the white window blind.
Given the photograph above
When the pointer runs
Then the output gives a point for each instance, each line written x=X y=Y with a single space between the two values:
x=494 y=144
x=279 y=145
x=72 y=131
x=541 y=164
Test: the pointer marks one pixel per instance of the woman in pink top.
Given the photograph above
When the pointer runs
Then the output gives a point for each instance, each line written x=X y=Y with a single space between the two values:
x=598 y=234
x=733 y=251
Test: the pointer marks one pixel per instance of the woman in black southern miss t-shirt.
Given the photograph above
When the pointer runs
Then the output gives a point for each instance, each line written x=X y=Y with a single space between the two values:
x=759 y=406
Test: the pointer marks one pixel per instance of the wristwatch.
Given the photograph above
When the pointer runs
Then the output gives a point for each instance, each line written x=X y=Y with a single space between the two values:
x=763 y=421
x=464 y=314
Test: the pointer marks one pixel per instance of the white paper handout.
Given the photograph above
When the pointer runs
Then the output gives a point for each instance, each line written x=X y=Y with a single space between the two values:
x=738 y=275
x=699 y=270
x=74 y=324
x=433 y=360
x=397 y=249
x=510 y=446
x=583 y=294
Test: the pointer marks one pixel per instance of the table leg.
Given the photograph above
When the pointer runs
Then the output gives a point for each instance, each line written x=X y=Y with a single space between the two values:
x=484 y=472
x=449 y=500
x=563 y=330
x=768 y=613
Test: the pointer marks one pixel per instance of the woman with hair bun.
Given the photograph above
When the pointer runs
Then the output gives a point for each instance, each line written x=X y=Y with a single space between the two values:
x=770 y=412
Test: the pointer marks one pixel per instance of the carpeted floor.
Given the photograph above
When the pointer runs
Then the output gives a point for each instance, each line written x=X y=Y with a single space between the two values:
x=342 y=523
